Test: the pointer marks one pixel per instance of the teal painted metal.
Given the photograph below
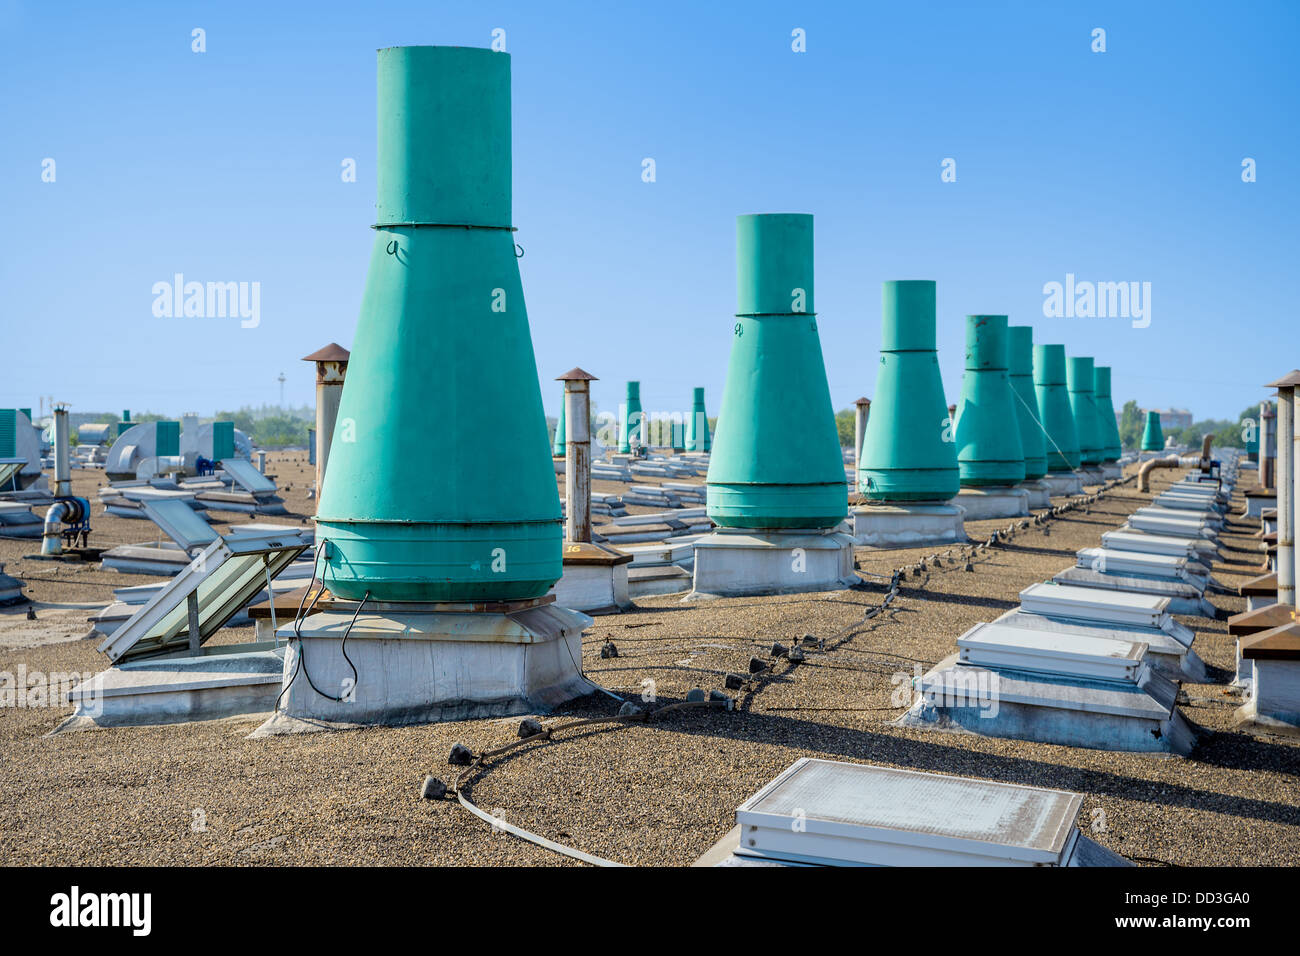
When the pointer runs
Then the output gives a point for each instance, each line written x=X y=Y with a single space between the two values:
x=1153 y=437
x=223 y=440
x=8 y=433
x=1062 y=438
x=633 y=419
x=28 y=413
x=776 y=460
x=557 y=446
x=988 y=452
x=1079 y=377
x=909 y=451
x=1032 y=441
x=467 y=512
x=1111 y=448
x=167 y=439
x=697 y=429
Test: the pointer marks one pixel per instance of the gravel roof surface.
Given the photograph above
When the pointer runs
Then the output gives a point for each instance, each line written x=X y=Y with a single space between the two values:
x=657 y=794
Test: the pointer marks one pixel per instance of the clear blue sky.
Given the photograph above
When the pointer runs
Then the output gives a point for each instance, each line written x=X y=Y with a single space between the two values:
x=225 y=165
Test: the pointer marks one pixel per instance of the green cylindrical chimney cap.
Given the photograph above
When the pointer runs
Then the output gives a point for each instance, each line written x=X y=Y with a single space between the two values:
x=633 y=389
x=907 y=316
x=1101 y=381
x=699 y=396
x=1020 y=349
x=774 y=264
x=986 y=342
x=444 y=136
x=1049 y=364
x=1079 y=373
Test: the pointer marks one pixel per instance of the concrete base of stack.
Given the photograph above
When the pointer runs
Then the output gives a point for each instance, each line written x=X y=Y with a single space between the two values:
x=420 y=663
x=1003 y=501
x=1064 y=483
x=1040 y=493
x=908 y=525
x=733 y=562
x=1111 y=471
x=1091 y=475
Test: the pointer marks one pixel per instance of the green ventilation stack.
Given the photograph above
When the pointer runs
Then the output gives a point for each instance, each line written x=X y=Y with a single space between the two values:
x=1111 y=448
x=1079 y=379
x=1057 y=417
x=1153 y=436
x=990 y=456
x=1021 y=360
x=442 y=325
x=428 y=547
x=697 y=429
x=908 y=472
x=908 y=451
x=1022 y=384
x=776 y=474
x=633 y=420
x=557 y=445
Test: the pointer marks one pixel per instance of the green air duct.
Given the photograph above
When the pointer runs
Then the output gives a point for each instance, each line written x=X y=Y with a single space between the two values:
x=1062 y=438
x=1022 y=388
x=1111 y=448
x=988 y=452
x=632 y=419
x=1079 y=377
x=697 y=429
x=470 y=511
x=908 y=451
x=1153 y=438
x=776 y=460
x=557 y=446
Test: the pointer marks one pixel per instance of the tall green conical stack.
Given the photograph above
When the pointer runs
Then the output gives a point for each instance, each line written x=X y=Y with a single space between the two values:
x=697 y=429
x=632 y=419
x=1022 y=387
x=776 y=460
x=557 y=446
x=1111 y=448
x=988 y=452
x=908 y=451
x=1153 y=437
x=1054 y=411
x=1079 y=378
x=467 y=513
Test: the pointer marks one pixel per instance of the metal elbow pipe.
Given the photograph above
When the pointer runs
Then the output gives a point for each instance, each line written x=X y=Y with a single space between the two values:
x=1144 y=473
x=63 y=511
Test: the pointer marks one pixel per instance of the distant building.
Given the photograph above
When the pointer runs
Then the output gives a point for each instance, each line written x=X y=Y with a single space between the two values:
x=1173 y=418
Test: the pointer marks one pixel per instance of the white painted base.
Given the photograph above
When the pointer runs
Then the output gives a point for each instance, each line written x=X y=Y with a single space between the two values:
x=737 y=561
x=1111 y=471
x=908 y=525
x=1245 y=677
x=1063 y=483
x=1258 y=504
x=1092 y=475
x=428 y=664
x=593 y=587
x=221 y=682
x=996 y=502
x=1275 y=697
x=1040 y=493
